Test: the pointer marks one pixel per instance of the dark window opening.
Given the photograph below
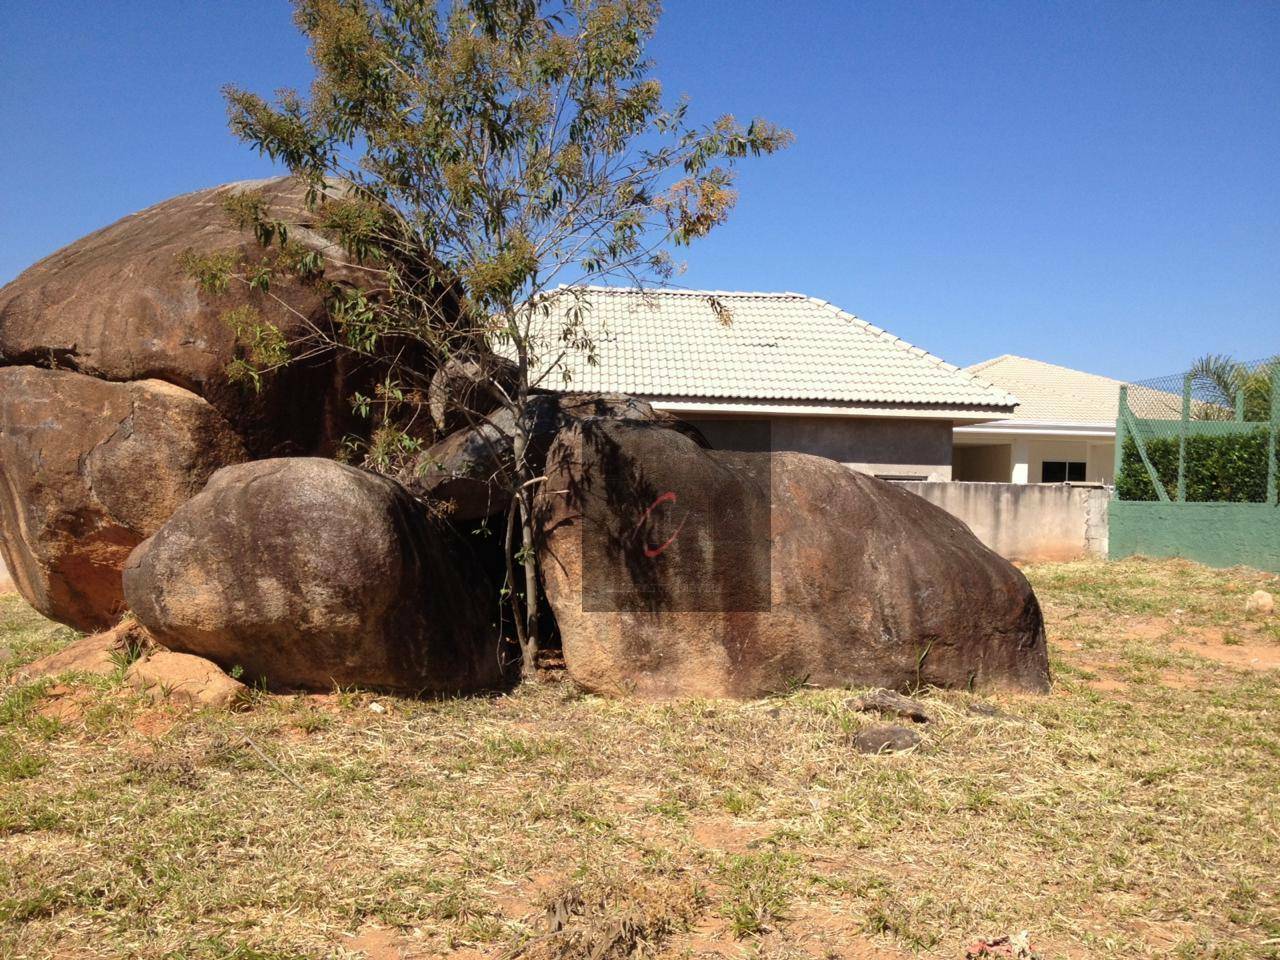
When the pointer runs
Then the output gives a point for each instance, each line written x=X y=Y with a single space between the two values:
x=1062 y=471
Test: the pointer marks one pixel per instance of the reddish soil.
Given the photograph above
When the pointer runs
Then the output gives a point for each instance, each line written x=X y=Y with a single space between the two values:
x=384 y=943
x=1246 y=656
x=728 y=836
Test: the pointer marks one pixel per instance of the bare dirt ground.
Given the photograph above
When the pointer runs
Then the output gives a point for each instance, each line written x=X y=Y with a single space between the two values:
x=1133 y=812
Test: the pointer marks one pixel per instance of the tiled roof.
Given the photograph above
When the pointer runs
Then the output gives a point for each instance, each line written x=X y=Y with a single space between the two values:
x=781 y=347
x=1048 y=392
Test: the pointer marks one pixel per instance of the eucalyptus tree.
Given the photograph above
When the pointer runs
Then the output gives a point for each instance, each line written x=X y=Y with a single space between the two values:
x=480 y=162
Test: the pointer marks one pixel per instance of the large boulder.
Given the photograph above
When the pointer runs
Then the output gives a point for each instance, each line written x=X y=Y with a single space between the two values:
x=472 y=468
x=678 y=571
x=118 y=305
x=309 y=573
x=90 y=469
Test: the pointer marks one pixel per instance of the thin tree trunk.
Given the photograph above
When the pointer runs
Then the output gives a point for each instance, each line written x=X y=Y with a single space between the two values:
x=531 y=639
x=509 y=550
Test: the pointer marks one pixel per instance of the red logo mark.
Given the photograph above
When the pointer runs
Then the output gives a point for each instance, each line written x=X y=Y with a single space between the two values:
x=651 y=551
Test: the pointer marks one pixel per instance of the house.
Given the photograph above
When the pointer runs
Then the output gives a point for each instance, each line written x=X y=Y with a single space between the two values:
x=781 y=371
x=1064 y=428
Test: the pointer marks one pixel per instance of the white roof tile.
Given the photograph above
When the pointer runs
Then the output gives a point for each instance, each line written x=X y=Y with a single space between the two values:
x=1050 y=393
x=777 y=346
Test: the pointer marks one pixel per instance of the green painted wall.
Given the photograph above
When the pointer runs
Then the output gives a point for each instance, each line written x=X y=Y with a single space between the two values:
x=1217 y=534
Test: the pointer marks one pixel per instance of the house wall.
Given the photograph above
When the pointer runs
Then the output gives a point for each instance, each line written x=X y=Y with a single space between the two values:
x=883 y=446
x=1099 y=458
x=988 y=463
x=1102 y=463
x=1021 y=459
x=1027 y=522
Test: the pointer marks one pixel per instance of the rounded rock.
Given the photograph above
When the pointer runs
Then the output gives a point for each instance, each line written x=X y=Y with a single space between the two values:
x=1260 y=604
x=885 y=739
x=119 y=305
x=307 y=573
x=677 y=571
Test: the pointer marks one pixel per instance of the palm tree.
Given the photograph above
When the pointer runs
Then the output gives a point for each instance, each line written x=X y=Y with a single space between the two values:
x=1217 y=380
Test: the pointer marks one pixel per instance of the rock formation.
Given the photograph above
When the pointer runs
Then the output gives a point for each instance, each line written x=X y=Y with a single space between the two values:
x=460 y=394
x=118 y=305
x=677 y=571
x=115 y=398
x=90 y=469
x=672 y=569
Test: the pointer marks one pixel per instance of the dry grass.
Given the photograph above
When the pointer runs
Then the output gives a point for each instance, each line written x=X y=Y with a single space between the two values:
x=1131 y=813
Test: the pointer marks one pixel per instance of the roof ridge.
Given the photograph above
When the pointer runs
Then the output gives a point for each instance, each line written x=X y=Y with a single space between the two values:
x=974 y=369
x=919 y=351
x=1044 y=363
x=682 y=291
x=983 y=364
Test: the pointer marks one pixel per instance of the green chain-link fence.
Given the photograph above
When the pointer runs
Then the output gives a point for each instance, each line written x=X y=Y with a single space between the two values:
x=1210 y=435
x=1196 y=466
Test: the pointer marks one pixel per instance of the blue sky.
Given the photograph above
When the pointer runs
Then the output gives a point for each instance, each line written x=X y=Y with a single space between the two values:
x=1094 y=184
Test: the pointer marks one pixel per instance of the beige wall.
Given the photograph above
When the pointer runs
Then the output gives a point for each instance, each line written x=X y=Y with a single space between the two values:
x=884 y=446
x=989 y=463
x=1031 y=522
x=1102 y=462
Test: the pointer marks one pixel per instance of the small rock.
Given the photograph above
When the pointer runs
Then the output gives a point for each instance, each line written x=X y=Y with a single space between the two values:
x=892 y=704
x=886 y=739
x=985 y=710
x=184 y=678
x=99 y=654
x=87 y=655
x=1260 y=604
x=377 y=708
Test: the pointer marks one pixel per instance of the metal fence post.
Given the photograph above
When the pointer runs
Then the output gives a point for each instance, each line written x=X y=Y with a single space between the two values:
x=1120 y=411
x=1182 y=439
x=1273 y=433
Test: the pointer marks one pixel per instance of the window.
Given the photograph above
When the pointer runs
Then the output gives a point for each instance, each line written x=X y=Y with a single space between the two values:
x=1062 y=471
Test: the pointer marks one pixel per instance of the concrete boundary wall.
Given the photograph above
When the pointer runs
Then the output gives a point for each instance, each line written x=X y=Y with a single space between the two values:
x=1027 y=521
x=1215 y=534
